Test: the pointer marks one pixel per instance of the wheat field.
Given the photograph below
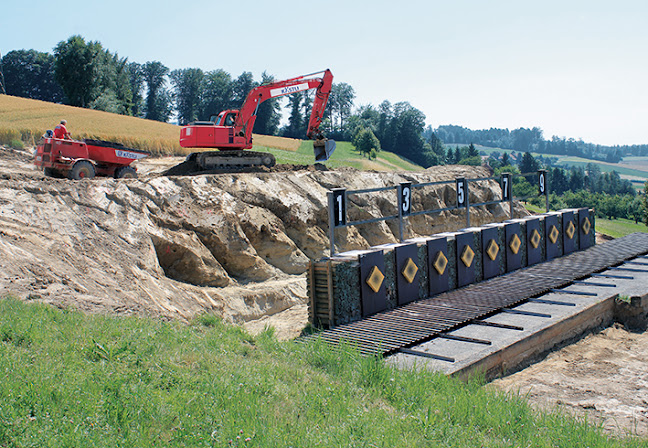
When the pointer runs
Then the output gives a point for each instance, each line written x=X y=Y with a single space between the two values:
x=27 y=120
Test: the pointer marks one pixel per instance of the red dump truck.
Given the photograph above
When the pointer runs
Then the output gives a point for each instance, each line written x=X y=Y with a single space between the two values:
x=85 y=159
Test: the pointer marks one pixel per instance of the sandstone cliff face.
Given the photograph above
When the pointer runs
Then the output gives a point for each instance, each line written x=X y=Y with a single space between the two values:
x=232 y=244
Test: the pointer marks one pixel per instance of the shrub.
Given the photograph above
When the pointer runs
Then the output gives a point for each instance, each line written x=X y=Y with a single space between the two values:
x=17 y=144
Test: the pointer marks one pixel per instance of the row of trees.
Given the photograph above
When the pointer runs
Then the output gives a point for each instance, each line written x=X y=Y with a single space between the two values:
x=532 y=140
x=85 y=74
x=609 y=195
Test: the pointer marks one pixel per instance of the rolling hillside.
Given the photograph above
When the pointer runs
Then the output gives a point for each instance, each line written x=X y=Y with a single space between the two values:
x=26 y=119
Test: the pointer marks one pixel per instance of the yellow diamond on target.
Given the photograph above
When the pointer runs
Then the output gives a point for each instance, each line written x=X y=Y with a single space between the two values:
x=492 y=250
x=440 y=263
x=587 y=225
x=553 y=235
x=535 y=238
x=410 y=270
x=375 y=279
x=571 y=229
x=515 y=244
x=467 y=256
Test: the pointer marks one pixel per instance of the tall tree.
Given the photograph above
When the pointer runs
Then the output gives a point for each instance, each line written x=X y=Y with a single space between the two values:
x=186 y=85
x=241 y=87
x=30 y=74
x=217 y=92
x=307 y=109
x=3 y=90
x=408 y=122
x=528 y=164
x=158 y=98
x=339 y=106
x=436 y=145
x=77 y=70
x=113 y=84
x=268 y=114
x=294 y=127
x=136 y=82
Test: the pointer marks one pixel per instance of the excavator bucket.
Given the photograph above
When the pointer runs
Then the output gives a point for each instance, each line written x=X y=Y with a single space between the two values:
x=323 y=149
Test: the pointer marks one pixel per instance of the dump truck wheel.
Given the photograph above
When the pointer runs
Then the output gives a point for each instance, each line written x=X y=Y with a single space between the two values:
x=125 y=172
x=82 y=170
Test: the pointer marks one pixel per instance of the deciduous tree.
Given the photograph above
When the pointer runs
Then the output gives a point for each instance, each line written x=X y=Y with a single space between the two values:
x=187 y=83
x=30 y=74
x=158 y=98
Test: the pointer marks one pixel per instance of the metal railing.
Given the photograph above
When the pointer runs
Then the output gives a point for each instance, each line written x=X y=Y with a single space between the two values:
x=338 y=198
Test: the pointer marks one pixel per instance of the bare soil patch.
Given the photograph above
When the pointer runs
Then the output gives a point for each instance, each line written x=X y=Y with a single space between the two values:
x=603 y=377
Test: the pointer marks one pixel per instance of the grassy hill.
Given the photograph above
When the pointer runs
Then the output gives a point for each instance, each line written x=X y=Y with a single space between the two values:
x=68 y=379
x=27 y=120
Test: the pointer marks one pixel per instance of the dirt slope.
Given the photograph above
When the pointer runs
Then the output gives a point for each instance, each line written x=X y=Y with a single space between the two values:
x=232 y=244
x=602 y=377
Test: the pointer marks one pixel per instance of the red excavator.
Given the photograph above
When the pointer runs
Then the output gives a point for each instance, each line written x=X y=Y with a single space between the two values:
x=231 y=131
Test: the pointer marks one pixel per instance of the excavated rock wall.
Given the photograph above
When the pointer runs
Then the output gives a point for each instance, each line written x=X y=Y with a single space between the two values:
x=233 y=244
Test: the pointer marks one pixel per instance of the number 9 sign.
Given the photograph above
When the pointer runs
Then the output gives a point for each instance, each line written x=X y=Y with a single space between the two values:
x=542 y=183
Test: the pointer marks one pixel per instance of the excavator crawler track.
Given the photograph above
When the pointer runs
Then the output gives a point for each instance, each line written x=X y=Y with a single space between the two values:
x=214 y=162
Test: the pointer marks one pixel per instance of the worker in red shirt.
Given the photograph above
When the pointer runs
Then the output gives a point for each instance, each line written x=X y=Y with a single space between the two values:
x=61 y=131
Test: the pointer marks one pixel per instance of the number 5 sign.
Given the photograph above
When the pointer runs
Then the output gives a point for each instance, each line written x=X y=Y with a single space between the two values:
x=461 y=192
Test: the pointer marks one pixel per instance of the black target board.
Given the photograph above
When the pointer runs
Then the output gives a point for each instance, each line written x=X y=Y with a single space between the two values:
x=439 y=265
x=491 y=252
x=407 y=273
x=569 y=231
x=535 y=241
x=585 y=229
x=553 y=236
x=466 y=259
x=372 y=282
x=514 y=250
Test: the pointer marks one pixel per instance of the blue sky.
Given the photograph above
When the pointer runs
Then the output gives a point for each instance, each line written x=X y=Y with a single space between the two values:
x=574 y=68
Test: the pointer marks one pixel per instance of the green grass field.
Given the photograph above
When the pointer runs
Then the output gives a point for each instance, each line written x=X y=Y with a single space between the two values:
x=67 y=379
x=344 y=155
x=615 y=228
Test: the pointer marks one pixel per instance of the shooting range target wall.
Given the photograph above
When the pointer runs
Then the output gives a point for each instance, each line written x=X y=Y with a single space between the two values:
x=356 y=284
